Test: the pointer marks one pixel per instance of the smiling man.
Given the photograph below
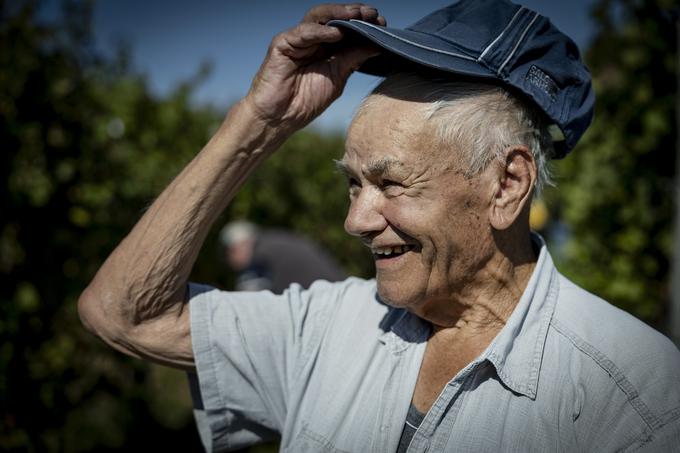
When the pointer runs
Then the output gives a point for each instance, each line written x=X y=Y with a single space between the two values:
x=468 y=339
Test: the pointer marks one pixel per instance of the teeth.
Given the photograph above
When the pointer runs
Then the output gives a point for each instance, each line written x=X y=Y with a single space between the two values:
x=391 y=250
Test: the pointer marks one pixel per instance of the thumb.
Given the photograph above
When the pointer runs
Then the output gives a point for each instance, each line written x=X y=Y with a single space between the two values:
x=350 y=59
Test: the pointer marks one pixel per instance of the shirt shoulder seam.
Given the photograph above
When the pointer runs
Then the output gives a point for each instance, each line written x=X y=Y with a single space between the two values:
x=632 y=395
x=646 y=436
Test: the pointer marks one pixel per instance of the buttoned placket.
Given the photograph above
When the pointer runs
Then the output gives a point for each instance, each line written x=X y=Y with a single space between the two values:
x=406 y=342
x=436 y=427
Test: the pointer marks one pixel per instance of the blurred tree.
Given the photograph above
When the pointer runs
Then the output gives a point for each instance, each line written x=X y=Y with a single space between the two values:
x=86 y=147
x=616 y=189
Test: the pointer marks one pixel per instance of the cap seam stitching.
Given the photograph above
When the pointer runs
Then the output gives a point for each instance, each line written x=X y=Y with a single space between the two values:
x=501 y=33
x=432 y=49
x=519 y=41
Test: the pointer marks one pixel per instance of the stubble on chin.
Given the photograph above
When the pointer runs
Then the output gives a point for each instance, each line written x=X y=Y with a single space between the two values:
x=392 y=294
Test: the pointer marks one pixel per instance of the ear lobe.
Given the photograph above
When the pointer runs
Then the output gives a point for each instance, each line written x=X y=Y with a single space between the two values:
x=515 y=184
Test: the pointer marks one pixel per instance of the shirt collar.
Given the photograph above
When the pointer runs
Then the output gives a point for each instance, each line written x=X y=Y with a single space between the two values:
x=517 y=350
x=402 y=330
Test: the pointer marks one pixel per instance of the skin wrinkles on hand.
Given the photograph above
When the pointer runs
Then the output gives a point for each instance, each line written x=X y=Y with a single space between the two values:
x=298 y=78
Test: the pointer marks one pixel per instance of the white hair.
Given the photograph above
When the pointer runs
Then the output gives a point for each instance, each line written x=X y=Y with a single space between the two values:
x=478 y=118
x=237 y=231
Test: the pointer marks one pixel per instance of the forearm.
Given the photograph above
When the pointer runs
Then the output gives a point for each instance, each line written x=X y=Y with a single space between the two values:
x=155 y=259
x=145 y=277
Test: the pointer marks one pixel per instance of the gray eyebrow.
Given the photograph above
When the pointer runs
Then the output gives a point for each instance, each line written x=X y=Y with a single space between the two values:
x=382 y=166
x=342 y=167
x=376 y=168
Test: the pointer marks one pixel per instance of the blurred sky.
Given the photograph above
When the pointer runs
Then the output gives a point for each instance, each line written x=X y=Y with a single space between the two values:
x=171 y=38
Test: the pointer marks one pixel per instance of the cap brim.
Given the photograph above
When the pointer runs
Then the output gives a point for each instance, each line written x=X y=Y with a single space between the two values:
x=406 y=46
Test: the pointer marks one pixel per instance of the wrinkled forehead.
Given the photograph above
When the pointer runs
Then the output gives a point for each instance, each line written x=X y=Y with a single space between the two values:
x=386 y=127
x=388 y=119
x=414 y=107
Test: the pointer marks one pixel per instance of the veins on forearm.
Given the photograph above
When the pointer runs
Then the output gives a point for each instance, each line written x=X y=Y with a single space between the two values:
x=161 y=250
x=161 y=259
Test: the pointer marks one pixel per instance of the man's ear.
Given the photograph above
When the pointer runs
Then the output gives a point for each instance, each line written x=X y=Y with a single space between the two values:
x=515 y=183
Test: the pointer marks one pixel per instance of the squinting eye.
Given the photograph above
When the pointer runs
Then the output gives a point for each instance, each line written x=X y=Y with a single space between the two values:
x=388 y=184
x=352 y=182
x=391 y=188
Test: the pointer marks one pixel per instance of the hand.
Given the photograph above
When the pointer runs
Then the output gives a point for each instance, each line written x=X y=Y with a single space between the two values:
x=301 y=76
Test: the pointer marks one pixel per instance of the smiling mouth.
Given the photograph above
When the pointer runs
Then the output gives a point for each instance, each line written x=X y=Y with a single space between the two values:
x=382 y=253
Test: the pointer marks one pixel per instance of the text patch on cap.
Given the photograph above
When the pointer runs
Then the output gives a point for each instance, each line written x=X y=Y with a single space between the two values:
x=543 y=82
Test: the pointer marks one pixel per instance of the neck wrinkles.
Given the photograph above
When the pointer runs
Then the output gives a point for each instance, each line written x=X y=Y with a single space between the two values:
x=486 y=301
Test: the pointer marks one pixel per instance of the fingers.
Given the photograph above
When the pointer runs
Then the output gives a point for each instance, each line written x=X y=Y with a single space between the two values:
x=308 y=34
x=312 y=31
x=303 y=41
x=350 y=59
x=324 y=13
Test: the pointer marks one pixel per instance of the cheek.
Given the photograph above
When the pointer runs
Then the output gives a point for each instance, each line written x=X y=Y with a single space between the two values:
x=457 y=236
x=405 y=215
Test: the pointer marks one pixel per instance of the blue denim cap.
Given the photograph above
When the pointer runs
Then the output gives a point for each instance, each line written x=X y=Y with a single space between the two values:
x=498 y=41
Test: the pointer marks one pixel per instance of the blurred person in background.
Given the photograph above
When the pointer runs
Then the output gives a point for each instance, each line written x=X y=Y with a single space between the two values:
x=469 y=338
x=273 y=259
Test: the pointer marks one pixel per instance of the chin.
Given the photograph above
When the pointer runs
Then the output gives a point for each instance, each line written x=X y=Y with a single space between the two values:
x=394 y=296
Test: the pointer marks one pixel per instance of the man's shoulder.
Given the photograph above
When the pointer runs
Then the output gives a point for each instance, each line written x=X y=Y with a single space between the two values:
x=588 y=318
x=638 y=361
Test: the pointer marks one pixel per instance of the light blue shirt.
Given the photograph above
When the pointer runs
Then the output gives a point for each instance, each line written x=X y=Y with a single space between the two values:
x=332 y=369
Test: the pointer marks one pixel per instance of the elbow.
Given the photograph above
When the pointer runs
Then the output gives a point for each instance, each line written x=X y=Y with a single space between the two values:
x=92 y=314
x=102 y=319
x=99 y=316
x=87 y=307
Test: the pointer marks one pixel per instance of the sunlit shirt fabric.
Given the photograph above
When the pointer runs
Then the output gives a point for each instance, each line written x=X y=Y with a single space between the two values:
x=333 y=369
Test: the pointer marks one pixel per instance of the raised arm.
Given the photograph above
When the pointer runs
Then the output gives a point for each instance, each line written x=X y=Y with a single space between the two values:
x=137 y=300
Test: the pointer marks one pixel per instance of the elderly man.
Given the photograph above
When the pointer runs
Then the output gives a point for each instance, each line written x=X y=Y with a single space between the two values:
x=468 y=339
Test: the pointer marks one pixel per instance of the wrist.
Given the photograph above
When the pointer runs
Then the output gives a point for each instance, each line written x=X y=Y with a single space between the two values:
x=252 y=131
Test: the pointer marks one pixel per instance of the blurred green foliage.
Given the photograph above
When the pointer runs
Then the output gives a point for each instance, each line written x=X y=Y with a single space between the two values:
x=615 y=191
x=85 y=148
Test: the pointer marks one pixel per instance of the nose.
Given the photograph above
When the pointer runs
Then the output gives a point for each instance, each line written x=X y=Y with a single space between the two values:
x=365 y=213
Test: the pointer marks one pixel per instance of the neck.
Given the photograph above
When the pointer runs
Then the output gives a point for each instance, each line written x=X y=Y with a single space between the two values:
x=481 y=306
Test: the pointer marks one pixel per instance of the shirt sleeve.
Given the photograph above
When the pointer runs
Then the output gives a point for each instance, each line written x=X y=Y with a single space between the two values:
x=247 y=348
